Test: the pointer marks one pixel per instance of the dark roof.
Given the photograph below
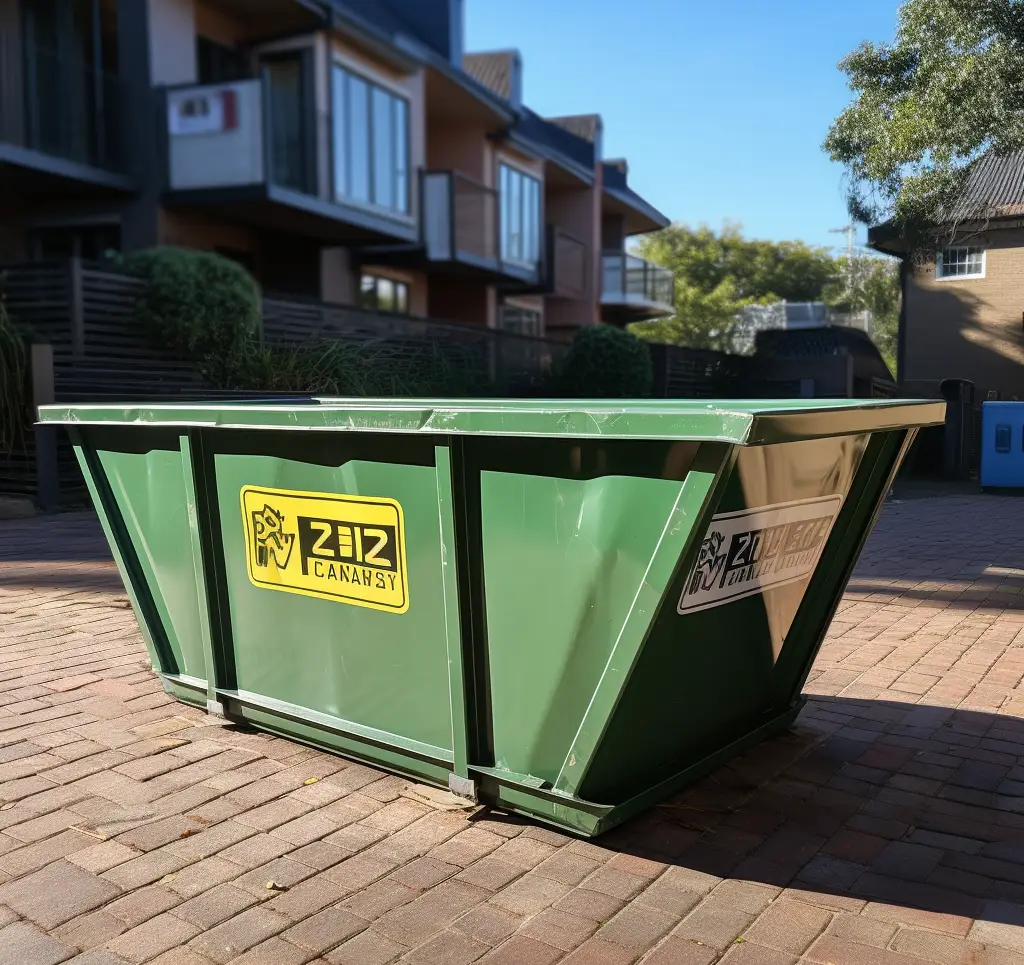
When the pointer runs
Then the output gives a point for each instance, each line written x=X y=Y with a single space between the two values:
x=535 y=128
x=616 y=183
x=585 y=126
x=379 y=14
x=995 y=189
x=493 y=70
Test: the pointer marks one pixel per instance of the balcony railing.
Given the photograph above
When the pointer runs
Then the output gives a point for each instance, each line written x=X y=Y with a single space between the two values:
x=236 y=134
x=567 y=264
x=462 y=225
x=635 y=283
x=59 y=106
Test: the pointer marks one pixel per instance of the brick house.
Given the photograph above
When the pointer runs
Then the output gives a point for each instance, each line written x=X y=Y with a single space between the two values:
x=962 y=314
x=349 y=150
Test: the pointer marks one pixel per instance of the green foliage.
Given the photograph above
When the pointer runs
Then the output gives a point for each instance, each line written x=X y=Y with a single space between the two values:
x=719 y=274
x=200 y=304
x=14 y=416
x=947 y=89
x=870 y=284
x=322 y=367
x=604 y=362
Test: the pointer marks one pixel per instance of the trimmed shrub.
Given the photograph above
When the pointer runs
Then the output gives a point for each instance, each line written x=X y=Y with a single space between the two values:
x=199 y=304
x=605 y=362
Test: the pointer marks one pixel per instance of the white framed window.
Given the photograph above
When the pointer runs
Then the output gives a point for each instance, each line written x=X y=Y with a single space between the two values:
x=960 y=262
x=371 y=143
x=520 y=321
x=383 y=294
x=519 y=198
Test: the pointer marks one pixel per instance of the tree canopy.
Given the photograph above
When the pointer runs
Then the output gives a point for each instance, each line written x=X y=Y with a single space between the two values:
x=718 y=274
x=947 y=89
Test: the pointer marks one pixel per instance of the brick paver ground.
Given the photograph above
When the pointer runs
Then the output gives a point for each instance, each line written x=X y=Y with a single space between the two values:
x=886 y=829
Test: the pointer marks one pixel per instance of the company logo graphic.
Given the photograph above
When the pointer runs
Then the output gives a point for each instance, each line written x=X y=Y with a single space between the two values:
x=345 y=548
x=269 y=538
x=750 y=551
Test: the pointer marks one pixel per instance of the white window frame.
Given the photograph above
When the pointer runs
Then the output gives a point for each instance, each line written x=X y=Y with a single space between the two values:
x=527 y=176
x=511 y=307
x=402 y=210
x=939 y=266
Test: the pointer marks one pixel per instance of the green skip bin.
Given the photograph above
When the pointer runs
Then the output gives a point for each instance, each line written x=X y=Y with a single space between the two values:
x=565 y=609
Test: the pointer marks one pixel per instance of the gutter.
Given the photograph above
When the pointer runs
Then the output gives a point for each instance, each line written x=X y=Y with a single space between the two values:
x=634 y=201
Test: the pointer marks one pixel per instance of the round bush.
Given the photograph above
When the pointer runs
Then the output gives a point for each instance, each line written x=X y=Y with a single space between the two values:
x=604 y=362
x=198 y=303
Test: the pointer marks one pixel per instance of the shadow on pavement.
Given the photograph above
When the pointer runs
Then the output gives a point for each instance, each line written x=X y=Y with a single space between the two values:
x=903 y=804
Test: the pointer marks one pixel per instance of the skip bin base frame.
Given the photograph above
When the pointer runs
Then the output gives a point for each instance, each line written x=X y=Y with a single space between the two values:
x=631 y=713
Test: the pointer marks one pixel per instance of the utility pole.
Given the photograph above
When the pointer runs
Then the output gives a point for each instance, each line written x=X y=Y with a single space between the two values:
x=851 y=234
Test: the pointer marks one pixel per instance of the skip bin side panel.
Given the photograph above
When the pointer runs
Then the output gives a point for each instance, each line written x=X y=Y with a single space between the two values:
x=707 y=672
x=567 y=530
x=303 y=519
x=143 y=473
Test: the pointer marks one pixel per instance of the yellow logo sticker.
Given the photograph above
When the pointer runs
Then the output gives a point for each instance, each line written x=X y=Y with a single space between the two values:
x=345 y=548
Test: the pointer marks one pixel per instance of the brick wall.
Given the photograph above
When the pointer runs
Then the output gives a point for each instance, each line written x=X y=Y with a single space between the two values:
x=969 y=328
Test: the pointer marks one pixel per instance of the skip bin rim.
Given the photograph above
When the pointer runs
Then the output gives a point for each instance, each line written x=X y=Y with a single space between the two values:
x=755 y=422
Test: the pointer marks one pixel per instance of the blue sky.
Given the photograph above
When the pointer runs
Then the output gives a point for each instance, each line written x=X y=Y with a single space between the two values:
x=720 y=107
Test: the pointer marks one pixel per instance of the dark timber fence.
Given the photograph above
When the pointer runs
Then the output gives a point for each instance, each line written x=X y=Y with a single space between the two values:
x=88 y=347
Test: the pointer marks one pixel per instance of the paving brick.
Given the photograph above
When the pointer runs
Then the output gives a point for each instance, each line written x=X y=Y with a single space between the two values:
x=433 y=911
x=597 y=952
x=491 y=873
x=152 y=938
x=240 y=933
x=379 y=898
x=56 y=894
x=1000 y=924
x=196 y=878
x=610 y=881
x=681 y=951
x=319 y=855
x=35 y=856
x=904 y=915
x=308 y=897
x=714 y=926
x=144 y=870
x=466 y=847
x=558 y=929
x=90 y=930
x=864 y=931
x=214 y=906
x=789 y=926
x=830 y=950
x=367 y=948
x=325 y=930
x=520 y=950
x=490 y=924
x=24 y=944
x=138 y=906
x=530 y=894
x=637 y=928
x=750 y=953
x=283 y=872
x=274 y=951
x=102 y=857
x=595 y=905
x=448 y=948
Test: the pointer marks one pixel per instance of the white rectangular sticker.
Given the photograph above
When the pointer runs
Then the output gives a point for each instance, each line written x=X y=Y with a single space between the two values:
x=753 y=550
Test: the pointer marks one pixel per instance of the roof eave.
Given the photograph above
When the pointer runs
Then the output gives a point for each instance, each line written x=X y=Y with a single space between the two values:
x=632 y=200
x=567 y=164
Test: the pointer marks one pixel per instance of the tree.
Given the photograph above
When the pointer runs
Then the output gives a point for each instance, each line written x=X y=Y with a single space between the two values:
x=873 y=285
x=948 y=89
x=719 y=274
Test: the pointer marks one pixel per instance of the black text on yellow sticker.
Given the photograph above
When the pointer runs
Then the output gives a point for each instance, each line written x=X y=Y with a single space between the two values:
x=345 y=548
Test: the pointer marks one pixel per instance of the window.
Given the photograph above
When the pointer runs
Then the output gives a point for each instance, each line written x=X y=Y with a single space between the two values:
x=520 y=217
x=371 y=144
x=960 y=263
x=88 y=242
x=383 y=294
x=218 y=64
x=520 y=321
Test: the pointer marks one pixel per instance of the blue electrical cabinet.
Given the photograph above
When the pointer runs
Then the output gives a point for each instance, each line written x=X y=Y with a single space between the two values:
x=1002 y=445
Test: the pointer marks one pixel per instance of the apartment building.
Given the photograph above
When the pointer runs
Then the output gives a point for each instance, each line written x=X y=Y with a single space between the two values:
x=350 y=150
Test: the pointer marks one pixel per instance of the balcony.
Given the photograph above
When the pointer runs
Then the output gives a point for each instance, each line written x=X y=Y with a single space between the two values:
x=463 y=231
x=60 y=123
x=634 y=289
x=257 y=151
x=566 y=265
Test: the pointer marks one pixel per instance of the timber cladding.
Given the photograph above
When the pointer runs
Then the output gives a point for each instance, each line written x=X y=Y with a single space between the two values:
x=970 y=328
